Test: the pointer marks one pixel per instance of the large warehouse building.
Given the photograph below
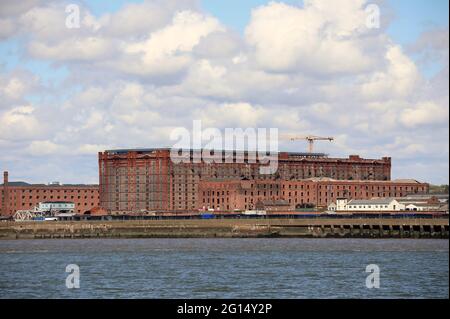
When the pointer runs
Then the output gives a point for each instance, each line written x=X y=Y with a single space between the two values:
x=139 y=180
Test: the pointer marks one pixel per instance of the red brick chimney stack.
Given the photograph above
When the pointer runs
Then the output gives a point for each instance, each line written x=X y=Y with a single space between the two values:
x=5 y=206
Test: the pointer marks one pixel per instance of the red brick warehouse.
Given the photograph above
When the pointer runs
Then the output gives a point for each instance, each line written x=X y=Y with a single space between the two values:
x=147 y=180
x=23 y=196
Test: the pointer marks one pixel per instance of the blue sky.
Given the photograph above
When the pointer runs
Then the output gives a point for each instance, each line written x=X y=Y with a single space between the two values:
x=411 y=18
x=390 y=101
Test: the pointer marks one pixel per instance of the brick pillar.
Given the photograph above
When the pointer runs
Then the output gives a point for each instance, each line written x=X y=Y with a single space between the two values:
x=103 y=186
x=5 y=206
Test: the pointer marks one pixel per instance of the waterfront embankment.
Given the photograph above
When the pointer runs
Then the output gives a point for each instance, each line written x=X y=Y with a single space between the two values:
x=231 y=228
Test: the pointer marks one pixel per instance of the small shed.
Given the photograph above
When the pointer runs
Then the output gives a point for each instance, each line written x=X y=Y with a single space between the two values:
x=274 y=205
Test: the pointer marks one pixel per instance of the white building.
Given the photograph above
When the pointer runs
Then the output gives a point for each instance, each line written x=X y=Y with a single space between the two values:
x=366 y=205
x=416 y=207
x=56 y=206
x=423 y=202
x=417 y=203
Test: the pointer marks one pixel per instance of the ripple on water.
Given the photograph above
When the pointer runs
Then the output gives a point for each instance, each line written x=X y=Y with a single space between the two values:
x=224 y=268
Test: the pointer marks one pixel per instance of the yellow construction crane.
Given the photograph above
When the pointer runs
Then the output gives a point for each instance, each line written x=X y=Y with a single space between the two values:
x=311 y=139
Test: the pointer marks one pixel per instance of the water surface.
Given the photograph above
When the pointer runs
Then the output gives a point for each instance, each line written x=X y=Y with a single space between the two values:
x=224 y=268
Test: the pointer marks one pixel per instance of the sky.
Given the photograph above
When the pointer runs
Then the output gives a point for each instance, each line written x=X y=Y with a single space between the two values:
x=133 y=71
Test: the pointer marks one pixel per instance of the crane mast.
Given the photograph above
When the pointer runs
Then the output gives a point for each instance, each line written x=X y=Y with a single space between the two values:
x=311 y=139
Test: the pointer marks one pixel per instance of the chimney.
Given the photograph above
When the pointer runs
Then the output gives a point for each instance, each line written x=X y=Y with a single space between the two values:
x=354 y=157
x=5 y=201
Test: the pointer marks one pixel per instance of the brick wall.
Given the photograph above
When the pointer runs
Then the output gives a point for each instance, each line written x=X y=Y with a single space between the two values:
x=27 y=197
x=147 y=180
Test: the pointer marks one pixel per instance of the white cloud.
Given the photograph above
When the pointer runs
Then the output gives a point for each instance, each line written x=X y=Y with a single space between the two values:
x=231 y=115
x=320 y=38
x=13 y=8
x=47 y=23
x=167 y=50
x=84 y=49
x=14 y=88
x=399 y=80
x=135 y=20
x=14 y=85
x=91 y=149
x=135 y=74
x=20 y=123
x=425 y=113
x=7 y=28
x=43 y=148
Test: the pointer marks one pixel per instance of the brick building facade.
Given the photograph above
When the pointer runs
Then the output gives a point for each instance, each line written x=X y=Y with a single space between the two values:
x=148 y=180
x=23 y=196
x=228 y=195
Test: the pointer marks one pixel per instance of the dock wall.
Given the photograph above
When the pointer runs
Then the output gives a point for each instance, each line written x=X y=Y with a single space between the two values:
x=304 y=228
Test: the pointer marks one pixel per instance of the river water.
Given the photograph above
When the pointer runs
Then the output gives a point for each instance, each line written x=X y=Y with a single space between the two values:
x=224 y=268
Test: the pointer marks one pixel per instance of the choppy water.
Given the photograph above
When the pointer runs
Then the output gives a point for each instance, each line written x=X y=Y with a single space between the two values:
x=224 y=268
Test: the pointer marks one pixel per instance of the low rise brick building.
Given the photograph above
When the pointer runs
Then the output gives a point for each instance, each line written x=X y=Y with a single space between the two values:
x=23 y=196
